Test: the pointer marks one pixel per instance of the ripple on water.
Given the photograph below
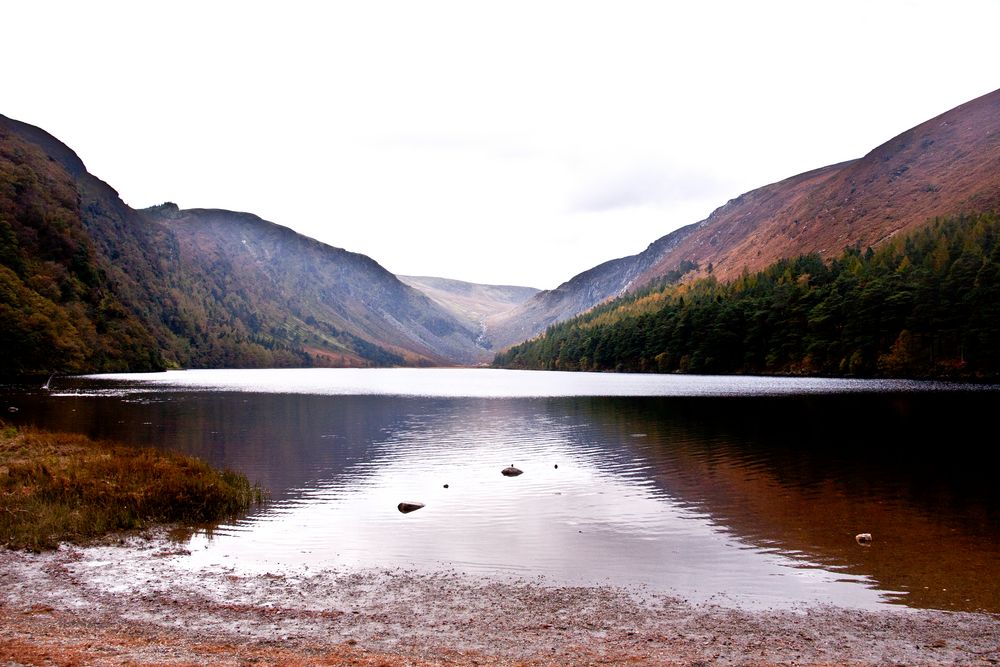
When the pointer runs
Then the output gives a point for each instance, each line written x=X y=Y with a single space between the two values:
x=748 y=488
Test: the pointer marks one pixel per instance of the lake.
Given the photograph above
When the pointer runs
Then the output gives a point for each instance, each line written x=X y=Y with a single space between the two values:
x=736 y=490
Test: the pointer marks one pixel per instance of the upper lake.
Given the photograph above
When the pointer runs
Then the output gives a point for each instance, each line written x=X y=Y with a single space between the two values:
x=740 y=490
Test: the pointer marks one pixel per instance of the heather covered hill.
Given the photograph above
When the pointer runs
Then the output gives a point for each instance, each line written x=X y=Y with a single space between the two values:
x=91 y=284
x=948 y=165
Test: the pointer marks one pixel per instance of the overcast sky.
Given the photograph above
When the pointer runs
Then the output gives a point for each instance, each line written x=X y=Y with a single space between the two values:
x=506 y=142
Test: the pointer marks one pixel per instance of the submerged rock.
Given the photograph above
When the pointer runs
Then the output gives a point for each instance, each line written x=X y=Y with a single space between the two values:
x=511 y=471
x=409 y=506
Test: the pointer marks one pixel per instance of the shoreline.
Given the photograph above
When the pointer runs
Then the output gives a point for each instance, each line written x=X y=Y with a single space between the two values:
x=65 y=487
x=132 y=602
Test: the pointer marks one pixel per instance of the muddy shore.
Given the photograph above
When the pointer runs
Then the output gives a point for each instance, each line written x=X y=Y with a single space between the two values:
x=137 y=603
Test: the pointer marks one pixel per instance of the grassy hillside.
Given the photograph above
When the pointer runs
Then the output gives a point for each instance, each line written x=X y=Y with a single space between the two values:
x=926 y=304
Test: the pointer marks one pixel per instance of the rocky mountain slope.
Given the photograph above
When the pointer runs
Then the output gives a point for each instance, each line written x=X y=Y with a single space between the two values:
x=948 y=165
x=205 y=288
x=472 y=303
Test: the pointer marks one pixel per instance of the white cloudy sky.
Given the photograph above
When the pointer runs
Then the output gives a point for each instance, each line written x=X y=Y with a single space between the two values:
x=507 y=142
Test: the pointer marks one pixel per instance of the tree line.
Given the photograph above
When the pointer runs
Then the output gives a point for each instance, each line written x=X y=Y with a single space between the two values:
x=924 y=304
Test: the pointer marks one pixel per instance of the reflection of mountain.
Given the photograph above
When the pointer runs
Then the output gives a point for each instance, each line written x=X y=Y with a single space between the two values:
x=794 y=474
x=642 y=487
x=285 y=442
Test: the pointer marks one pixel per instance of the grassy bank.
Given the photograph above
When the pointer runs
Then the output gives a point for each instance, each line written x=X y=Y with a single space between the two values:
x=58 y=487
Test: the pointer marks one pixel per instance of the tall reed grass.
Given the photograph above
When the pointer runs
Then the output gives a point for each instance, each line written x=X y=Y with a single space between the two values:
x=57 y=487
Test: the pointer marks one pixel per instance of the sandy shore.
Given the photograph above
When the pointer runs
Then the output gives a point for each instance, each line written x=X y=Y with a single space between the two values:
x=137 y=603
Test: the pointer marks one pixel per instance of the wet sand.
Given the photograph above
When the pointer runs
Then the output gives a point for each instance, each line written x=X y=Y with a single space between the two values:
x=136 y=603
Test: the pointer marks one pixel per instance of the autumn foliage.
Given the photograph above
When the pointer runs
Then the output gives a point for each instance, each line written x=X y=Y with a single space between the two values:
x=57 y=311
x=926 y=304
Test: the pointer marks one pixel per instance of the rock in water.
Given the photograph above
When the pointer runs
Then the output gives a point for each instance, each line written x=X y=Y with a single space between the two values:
x=408 y=506
x=864 y=539
x=511 y=471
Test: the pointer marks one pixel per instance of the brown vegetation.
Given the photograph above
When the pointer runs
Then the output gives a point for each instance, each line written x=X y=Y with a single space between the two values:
x=59 y=487
x=946 y=166
x=56 y=311
x=88 y=284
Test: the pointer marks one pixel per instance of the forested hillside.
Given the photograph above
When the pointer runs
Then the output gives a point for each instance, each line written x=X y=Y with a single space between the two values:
x=926 y=304
x=88 y=284
x=948 y=165
x=57 y=308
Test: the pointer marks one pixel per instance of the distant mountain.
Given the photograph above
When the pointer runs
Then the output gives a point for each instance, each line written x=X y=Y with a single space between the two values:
x=112 y=288
x=472 y=303
x=946 y=166
x=575 y=296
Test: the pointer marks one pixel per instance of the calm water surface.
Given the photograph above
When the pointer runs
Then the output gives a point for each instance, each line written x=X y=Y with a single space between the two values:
x=741 y=490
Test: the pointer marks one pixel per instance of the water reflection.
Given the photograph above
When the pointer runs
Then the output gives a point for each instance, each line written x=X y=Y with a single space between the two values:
x=804 y=475
x=754 y=498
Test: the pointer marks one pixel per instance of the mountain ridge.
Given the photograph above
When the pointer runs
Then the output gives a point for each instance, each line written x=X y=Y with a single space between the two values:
x=947 y=165
x=270 y=298
x=216 y=287
x=475 y=303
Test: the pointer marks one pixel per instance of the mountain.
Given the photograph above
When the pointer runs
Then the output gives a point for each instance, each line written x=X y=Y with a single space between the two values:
x=88 y=283
x=188 y=288
x=472 y=303
x=337 y=306
x=58 y=310
x=948 y=165
x=926 y=304
x=575 y=296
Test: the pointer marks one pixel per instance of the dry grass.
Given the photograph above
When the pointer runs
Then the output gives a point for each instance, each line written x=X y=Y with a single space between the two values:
x=58 y=487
